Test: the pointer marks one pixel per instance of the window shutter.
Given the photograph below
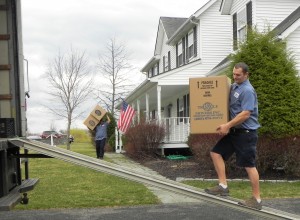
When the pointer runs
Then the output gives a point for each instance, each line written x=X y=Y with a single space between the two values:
x=178 y=111
x=169 y=60
x=195 y=41
x=234 y=26
x=187 y=47
x=249 y=14
x=183 y=50
x=188 y=105
x=177 y=107
x=184 y=106
x=164 y=63
x=177 y=55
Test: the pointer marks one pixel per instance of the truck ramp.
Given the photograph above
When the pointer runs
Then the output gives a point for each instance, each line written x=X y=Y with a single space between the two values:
x=166 y=184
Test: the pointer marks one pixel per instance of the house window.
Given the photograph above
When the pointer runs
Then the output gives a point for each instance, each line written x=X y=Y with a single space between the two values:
x=166 y=62
x=155 y=69
x=180 y=55
x=241 y=22
x=153 y=115
x=190 y=41
x=242 y=25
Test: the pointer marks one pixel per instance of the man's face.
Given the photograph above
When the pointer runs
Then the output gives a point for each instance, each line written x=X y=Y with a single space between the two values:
x=238 y=75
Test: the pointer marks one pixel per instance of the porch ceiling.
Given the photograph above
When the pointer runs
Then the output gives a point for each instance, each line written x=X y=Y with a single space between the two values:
x=168 y=93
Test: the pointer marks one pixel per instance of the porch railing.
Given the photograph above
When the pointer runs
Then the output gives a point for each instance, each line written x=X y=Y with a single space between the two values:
x=177 y=129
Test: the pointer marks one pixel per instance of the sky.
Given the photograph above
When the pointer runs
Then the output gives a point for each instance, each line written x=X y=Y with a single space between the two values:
x=57 y=25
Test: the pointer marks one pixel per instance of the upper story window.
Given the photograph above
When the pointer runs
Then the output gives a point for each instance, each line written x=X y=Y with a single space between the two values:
x=241 y=25
x=190 y=45
x=150 y=73
x=155 y=70
x=241 y=22
x=186 y=49
x=167 y=62
x=180 y=55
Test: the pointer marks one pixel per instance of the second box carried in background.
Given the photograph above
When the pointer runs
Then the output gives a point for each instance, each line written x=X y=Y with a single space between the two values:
x=94 y=118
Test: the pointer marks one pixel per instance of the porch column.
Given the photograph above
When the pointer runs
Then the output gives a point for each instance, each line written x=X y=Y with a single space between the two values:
x=138 y=110
x=147 y=107
x=159 y=103
x=133 y=106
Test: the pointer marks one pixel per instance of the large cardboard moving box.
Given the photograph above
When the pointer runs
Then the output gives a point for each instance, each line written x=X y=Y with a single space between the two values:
x=209 y=100
x=94 y=118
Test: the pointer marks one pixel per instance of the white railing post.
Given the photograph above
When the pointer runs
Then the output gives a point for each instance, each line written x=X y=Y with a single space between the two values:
x=51 y=139
x=116 y=140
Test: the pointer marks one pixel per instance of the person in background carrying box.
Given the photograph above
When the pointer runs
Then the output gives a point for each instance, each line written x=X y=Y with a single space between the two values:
x=101 y=136
x=240 y=136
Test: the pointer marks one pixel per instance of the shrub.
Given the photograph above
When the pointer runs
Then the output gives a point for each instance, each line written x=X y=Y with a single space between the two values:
x=275 y=79
x=272 y=154
x=141 y=141
x=282 y=153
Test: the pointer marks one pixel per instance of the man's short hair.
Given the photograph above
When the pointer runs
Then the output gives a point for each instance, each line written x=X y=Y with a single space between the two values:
x=243 y=66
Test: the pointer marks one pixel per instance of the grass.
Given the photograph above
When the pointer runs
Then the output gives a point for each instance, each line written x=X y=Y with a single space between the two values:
x=64 y=185
x=242 y=190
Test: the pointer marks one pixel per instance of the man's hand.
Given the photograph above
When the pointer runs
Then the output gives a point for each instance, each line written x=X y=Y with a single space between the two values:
x=223 y=129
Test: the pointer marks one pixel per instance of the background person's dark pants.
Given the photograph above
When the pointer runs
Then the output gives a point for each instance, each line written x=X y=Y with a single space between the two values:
x=100 y=144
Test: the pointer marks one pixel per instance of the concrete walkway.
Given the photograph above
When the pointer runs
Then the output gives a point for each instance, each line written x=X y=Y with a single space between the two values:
x=166 y=197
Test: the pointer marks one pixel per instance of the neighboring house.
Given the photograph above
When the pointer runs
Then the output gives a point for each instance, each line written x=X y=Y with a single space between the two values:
x=198 y=46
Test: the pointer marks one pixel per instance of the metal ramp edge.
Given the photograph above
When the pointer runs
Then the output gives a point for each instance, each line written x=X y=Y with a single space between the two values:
x=163 y=183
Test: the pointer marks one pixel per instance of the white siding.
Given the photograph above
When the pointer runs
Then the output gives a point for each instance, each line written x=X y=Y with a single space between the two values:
x=273 y=13
x=215 y=36
x=293 y=44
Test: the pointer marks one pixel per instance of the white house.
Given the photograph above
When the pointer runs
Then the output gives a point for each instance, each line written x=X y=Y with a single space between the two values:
x=198 y=46
x=281 y=16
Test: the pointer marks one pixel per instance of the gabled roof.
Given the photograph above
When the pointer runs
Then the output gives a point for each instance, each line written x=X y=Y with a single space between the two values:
x=289 y=21
x=171 y=24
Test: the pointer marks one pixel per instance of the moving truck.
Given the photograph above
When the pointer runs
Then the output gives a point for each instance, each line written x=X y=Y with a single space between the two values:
x=13 y=187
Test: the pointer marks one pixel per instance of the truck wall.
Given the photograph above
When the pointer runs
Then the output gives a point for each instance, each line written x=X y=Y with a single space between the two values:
x=12 y=95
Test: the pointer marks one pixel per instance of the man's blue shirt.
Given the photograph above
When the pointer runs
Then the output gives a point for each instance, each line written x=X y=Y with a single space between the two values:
x=243 y=98
x=101 y=131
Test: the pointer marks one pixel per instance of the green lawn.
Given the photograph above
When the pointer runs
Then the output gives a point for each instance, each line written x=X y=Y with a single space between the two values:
x=64 y=185
x=242 y=190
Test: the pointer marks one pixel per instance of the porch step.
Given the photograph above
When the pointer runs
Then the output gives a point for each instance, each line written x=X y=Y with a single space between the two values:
x=173 y=145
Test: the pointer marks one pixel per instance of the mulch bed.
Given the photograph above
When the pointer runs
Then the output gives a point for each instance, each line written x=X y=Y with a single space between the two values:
x=189 y=168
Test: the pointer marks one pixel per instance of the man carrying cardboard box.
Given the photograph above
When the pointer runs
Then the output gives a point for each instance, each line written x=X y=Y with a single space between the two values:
x=240 y=136
x=101 y=136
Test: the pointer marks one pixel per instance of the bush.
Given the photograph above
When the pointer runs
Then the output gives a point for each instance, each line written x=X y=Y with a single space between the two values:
x=272 y=154
x=281 y=153
x=141 y=141
x=275 y=79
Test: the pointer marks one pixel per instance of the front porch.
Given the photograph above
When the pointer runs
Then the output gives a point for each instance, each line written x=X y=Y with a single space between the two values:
x=177 y=132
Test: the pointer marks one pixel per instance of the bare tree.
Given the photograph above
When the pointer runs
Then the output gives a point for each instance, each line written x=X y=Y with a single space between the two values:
x=71 y=85
x=114 y=66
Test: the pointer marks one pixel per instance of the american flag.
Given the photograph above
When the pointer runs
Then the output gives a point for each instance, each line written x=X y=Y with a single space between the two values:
x=126 y=115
